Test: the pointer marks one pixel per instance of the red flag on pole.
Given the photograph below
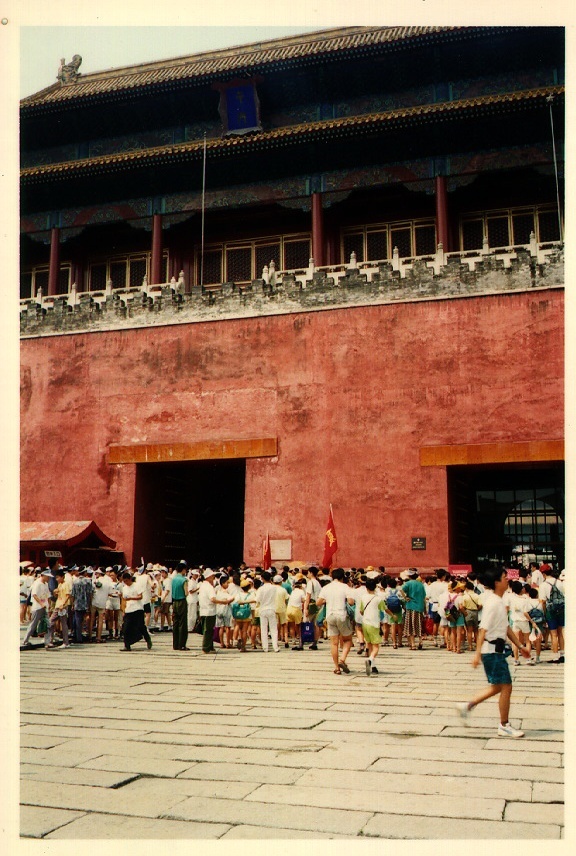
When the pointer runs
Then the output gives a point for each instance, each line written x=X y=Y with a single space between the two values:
x=330 y=541
x=266 y=553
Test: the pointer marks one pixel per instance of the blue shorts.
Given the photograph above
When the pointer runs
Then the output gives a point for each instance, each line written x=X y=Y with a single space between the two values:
x=496 y=668
x=554 y=623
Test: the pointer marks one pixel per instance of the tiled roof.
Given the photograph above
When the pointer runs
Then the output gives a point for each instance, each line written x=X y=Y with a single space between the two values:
x=241 y=58
x=291 y=133
x=67 y=531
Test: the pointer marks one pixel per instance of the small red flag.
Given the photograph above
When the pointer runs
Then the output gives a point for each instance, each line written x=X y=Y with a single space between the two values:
x=266 y=553
x=330 y=542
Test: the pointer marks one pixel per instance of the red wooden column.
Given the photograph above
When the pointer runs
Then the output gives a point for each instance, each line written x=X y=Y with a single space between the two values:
x=156 y=261
x=54 y=267
x=442 y=225
x=317 y=230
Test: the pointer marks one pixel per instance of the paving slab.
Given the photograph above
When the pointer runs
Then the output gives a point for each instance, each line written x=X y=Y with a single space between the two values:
x=547 y=792
x=74 y=776
x=37 y=822
x=395 y=826
x=380 y=801
x=486 y=770
x=106 y=826
x=107 y=800
x=242 y=773
x=409 y=783
x=136 y=764
x=528 y=813
x=254 y=833
x=283 y=816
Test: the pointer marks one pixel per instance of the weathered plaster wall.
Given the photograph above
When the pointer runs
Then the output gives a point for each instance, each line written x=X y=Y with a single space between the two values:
x=352 y=394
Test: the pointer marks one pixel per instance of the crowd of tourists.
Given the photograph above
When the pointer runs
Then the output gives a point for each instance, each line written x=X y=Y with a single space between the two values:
x=360 y=610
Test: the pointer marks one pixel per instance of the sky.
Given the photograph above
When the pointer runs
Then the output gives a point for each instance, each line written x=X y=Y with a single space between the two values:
x=104 y=47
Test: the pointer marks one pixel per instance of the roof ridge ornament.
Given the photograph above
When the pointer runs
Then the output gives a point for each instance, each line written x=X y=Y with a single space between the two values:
x=68 y=73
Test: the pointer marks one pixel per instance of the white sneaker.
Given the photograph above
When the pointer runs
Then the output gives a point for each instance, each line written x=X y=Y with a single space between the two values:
x=463 y=712
x=531 y=662
x=508 y=731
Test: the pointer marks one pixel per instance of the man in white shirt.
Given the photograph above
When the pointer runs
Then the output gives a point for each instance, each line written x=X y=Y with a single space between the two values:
x=192 y=598
x=134 y=627
x=39 y=597
x=493 y=632
x=266 y=598
x=310 y=611
x=165 y=602
x=434 y=592
x=101 y=585
x=336 y=595
x=207 y=602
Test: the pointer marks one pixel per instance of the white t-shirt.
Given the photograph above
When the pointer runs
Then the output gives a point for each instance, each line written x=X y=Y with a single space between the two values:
x=131 y=591
x=371 y=606
x=435 y=589
x=205 y=595
x=41 y=591
x=167 y=590
x=494 y=620
x=266 y=598
x=518 y=605
x=546 y=587
x=296 y=598
x=336 y=594
x=313 y=588
x=193 y=589
x=100 y=592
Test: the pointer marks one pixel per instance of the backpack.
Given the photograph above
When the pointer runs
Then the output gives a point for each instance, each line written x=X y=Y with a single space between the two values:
x=394 y=603
x=451 y=610
x=241 y=611
x=555 y=603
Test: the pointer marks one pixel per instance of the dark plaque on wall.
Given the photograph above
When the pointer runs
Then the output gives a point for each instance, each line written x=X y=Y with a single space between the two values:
x=419 y=543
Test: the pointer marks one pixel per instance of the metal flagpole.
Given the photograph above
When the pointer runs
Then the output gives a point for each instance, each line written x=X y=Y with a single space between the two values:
x=550 y=99
x=203 y=207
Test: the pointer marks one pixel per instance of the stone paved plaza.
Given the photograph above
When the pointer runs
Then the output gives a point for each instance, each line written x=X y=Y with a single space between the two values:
x=163 y=744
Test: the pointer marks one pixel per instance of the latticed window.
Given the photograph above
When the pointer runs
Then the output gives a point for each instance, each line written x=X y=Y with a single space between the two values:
x=548 y=229
x=63 y=284
x=138 y=270
x=402 y=238
x=239 y=264
x=353 y=243
x=522 y=225
x=118 y=270
x=296 y=254
x=212 y=267
x=41 y=281
x=377 y=245
x=472 y=234
x=25 y=284
x=265 y=253
x=98 y=276
x=425 y=240
x=498 y=232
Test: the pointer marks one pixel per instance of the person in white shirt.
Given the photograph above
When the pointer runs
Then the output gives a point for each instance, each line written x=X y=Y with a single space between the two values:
x=165 y=602
x=336 y=595
x=134 y=627
x=114 y=606
x=360 y=593
x=493 y=632
x=26 y=581
x=207 y=602
x=39 y=597
x=192 y=598
x=294 y=613
x=310 y=610
x=101 y=585
x=266 y=600
x=554 y=616
x=434 y=590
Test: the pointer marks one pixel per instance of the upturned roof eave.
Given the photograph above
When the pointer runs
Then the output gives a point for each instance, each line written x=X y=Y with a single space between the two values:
x=285 y=136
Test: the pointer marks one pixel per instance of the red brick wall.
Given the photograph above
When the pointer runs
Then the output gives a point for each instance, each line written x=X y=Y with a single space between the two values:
x=351 y=394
